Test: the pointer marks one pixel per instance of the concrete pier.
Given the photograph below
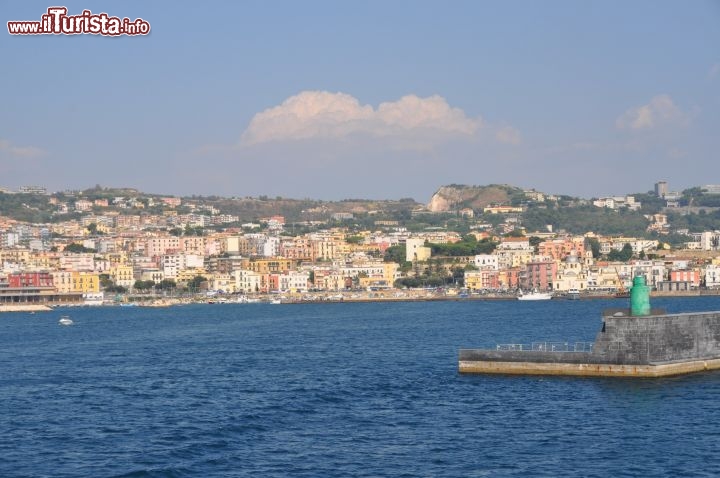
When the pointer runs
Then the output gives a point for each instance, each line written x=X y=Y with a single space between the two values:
x=627 y=346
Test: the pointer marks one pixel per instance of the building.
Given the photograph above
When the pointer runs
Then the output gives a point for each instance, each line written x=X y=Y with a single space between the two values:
x=617 y=202
x=30 y=279
x=32 y=190
x=571 y=275
x=83 y=205
x=482 y=280
x=159 y=246
x=85 y=282
x=692 y=276
x=559 y=249
x=661 y=189
x=415 y=250
x=712 y=276
x=122 y=275
x=486 y=262
x=711 y=188
x=248 y=281
x=538 y=275
x=710 y=241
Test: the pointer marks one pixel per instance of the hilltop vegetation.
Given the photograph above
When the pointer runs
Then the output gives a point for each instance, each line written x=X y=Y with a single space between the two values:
x=581 y=219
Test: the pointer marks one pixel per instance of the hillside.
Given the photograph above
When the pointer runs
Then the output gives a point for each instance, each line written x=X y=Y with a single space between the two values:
x=697 y=211
x=456 y=196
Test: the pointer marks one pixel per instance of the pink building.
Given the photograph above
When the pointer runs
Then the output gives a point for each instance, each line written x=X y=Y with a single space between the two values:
x=538 y=275
x=559 y=249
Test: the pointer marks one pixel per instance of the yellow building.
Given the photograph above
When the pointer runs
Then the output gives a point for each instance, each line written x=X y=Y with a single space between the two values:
x=17 y=256
x=62 y=280
x=85 y=282
x=186 y=275
x=270 y=265
x=122 y=275
x=117 y=258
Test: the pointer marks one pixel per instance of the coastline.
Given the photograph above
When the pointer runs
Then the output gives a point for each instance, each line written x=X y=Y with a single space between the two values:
x=25 y=308
x=354 y=297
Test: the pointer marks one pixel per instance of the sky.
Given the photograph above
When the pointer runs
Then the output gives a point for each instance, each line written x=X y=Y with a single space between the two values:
x=374 y=99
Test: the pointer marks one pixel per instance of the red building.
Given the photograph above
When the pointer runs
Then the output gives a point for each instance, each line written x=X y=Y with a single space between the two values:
x=30 y=279
x=691 y=276
x=538 y=275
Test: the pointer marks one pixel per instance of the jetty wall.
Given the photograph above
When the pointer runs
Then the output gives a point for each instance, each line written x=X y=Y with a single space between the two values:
x=658 y=338
x=626 y=346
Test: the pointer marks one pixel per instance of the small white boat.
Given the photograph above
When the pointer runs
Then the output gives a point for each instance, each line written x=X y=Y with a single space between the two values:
x=573 y=294
x=535 y=295
x=276 y=301
x=65 y=320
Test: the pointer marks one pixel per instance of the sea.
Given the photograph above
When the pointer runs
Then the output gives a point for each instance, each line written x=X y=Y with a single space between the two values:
x=335 y=390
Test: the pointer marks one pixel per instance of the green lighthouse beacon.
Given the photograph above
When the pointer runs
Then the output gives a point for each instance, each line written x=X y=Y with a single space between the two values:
x=639 y=297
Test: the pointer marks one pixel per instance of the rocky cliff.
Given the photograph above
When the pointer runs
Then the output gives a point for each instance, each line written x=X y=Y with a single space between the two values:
x=453 y=197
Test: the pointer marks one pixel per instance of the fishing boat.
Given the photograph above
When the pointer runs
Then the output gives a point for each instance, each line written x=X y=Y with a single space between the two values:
x=535 y=295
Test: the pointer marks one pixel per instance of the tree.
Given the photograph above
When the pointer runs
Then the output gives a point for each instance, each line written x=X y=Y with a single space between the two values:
x=594 y=245
x=77 y=247
x=534 y=241
x=395 y=254
x=195 y=283
x=623 y=255
x=92 y=228
x=515 y=233
x=166 y=284
x=105 y=281
x=143 y=285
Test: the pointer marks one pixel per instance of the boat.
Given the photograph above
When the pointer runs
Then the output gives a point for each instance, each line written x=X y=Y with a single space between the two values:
x=65 y=320
x=535 y=295
x=573 y=294
x=276 y=301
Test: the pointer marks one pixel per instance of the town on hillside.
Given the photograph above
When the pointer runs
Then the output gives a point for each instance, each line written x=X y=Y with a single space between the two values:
x=110 y=245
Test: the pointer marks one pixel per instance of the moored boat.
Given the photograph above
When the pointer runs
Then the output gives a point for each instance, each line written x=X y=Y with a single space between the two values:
x=535 y=295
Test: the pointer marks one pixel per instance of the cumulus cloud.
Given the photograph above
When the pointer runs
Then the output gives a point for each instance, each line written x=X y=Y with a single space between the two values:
x=321 y=114
x=659 y=111
x=508 y=134
x=20 y=151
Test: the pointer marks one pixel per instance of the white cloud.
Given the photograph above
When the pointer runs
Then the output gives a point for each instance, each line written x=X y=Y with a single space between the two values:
x=321 y=114
x=20 y=151
x=508 y=134
x=660 y=111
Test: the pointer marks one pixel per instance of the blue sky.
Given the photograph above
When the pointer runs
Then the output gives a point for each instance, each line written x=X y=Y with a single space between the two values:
x=333 y=100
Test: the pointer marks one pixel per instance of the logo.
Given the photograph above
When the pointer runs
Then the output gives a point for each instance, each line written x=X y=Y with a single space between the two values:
x=57 y=22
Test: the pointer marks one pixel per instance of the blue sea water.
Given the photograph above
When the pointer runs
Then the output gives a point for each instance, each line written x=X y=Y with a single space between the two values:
x=325 y=390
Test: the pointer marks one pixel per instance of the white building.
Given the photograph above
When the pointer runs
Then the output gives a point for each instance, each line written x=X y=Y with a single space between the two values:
x=174 y=263
x=486 y=262
x=271 y=247
x=712 y=276
x=294 y=281
x=247 y=281
x=415 y=249
x=710 y=241
x=654 y=271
